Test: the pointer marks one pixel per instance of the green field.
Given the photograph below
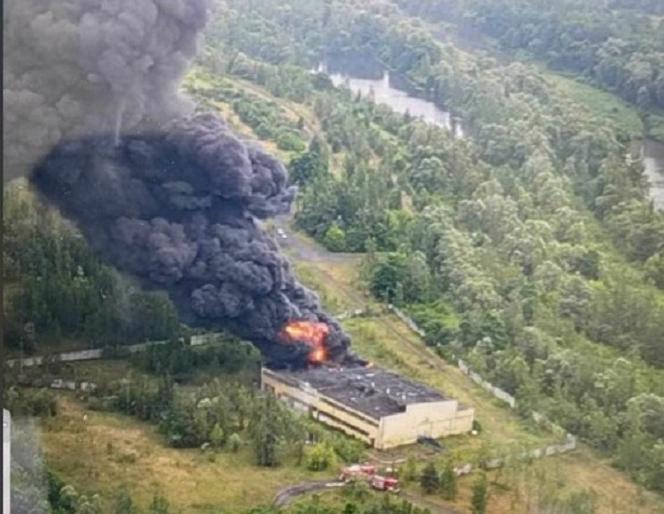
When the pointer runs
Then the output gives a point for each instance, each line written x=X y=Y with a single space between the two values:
x=603 y=105
x=99 y=452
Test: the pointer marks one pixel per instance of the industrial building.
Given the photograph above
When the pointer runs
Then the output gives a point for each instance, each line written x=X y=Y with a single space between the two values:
x=381 y=408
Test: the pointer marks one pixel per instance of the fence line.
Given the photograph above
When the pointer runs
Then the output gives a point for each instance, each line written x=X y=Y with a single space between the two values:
x=61 y=384
x=487 y=386
x=407 y=320
x=497 y=392
x=357 y=313
x=539 y=453
x=80 y=355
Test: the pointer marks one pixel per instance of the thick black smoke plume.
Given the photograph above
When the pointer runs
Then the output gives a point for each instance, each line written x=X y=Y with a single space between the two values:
x=178 y=210
x=92 y=109
x=76 y=67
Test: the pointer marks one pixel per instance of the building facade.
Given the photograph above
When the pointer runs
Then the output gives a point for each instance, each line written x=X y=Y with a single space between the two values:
x=377 y=406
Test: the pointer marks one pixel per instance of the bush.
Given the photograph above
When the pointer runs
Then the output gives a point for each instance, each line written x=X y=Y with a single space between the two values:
x=235 y=442
x=479 y=498
x=437 y=320
x=448 y=482
x=28 y=402
x=349 y=450
x=319 y=457
x=290 y=142
x=335 y=238
x=217 y=436
x=430 y=481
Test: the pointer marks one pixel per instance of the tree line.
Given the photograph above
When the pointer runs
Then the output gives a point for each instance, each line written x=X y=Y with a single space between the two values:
x=617 y=46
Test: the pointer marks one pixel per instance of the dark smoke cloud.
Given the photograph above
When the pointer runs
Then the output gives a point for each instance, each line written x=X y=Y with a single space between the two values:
x=178 y=210
x=75 y=67
x=92 y=109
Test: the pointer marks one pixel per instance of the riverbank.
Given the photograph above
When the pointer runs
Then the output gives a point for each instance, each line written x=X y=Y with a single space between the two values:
x=370 y=78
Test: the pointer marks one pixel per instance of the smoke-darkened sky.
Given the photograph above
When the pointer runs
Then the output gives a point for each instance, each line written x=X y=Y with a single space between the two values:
x=76 y=67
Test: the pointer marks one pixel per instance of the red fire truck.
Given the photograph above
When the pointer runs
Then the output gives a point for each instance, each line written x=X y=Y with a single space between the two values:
x=367 y=473
x=357 y=472
x=381 y=483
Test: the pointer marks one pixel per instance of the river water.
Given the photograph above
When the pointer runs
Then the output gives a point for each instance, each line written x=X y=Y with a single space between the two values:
x=370 y=79
x=652 y=153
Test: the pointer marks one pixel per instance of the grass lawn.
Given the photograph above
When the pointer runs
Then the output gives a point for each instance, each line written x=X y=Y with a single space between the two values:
x=602 y=104
x=98 y=451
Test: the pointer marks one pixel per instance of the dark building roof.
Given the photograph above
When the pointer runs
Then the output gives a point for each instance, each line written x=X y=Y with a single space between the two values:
x=372 y=391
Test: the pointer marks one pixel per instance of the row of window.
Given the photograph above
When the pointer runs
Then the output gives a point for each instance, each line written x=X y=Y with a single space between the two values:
x=364 y=419
x=325 y=416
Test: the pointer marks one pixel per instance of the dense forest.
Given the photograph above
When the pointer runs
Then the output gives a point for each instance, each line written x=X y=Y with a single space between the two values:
x=529 y=247
x=619 y=46
x=57 y=289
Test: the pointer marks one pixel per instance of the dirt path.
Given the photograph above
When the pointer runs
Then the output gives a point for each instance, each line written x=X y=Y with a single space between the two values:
x=288 y=494
x=306 y=250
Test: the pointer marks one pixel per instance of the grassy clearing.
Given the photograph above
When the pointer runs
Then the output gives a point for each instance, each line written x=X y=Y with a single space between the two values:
x=385 y=340
x=202 y=81
x=603 y=105
x=98 y=451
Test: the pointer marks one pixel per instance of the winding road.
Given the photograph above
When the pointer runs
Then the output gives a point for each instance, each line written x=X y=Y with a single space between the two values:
x=288 y=494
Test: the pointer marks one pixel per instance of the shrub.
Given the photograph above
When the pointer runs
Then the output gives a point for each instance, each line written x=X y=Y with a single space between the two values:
x=335 y=238
x=319 y=457
x=235 y=442
x=430 y=481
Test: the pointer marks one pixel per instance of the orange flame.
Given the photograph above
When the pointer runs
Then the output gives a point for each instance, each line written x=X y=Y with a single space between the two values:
x=311 y=333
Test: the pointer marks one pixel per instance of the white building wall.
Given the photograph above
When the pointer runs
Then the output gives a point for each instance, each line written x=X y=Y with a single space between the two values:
x=433 y=419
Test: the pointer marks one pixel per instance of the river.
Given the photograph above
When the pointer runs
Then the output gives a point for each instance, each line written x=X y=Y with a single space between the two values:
x=652 y=153
x=371 y=79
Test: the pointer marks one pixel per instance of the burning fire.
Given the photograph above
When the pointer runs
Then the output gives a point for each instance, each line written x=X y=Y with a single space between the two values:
x=312 y=333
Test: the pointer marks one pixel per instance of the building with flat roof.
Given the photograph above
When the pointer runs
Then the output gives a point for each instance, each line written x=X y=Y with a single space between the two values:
x=379 y=407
